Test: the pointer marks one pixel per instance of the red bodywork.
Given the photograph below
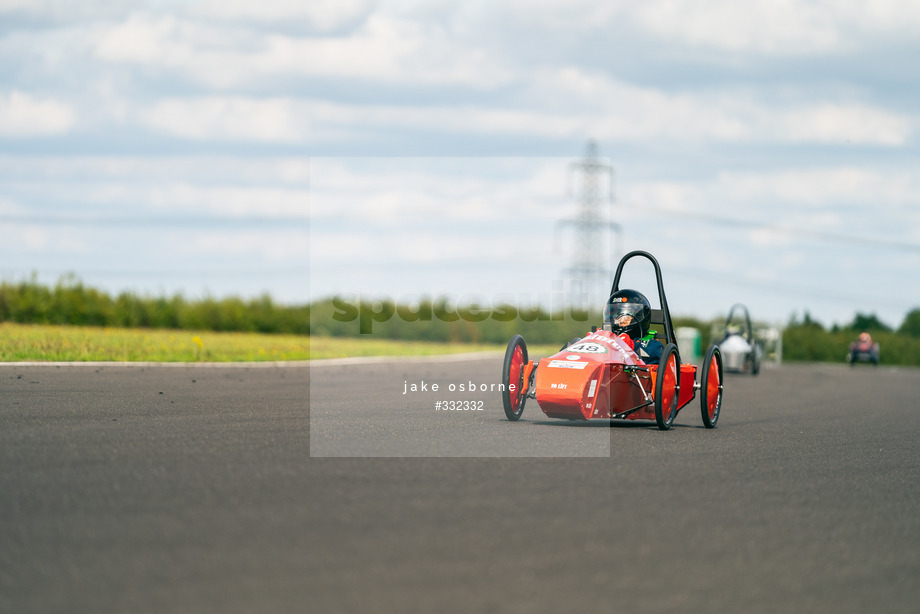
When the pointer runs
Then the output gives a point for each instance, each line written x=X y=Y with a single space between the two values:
x=601 y=376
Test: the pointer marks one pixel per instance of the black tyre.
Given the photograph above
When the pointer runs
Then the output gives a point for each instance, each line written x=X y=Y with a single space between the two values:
x=711 y=387
x=667 y=387
x=513 y=374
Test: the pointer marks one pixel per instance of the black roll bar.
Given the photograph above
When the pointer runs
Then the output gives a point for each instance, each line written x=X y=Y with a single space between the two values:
x=665 y=312
x=749 y=330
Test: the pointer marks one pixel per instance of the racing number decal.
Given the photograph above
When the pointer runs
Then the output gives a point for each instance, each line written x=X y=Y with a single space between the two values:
x=587 y=348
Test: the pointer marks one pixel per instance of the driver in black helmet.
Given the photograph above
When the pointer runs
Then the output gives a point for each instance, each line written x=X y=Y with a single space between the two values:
x=629 y=312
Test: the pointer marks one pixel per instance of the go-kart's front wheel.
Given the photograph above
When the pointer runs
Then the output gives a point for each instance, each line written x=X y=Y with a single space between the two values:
x=513 y=396
x=711 y=386
x=667 y=387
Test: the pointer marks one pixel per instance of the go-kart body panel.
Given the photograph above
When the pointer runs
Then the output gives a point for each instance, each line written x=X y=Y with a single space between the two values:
x=569 y=389
x=864 y=351
x=687 y=381
x=736 y=352
x=602 y=377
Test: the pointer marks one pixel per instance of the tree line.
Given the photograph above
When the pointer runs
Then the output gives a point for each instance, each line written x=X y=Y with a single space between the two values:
x=70 y=302
x=809 y=340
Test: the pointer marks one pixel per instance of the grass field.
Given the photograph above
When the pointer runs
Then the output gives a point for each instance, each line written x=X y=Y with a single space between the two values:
x=342 y=347
x=19 y=342
x=51 y=343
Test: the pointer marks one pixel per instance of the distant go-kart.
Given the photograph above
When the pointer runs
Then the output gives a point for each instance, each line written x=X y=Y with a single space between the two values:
x=741 y=352
x=600 y=376
x=864 y=349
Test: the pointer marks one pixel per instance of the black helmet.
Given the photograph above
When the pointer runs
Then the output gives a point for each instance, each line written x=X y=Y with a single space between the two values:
x=628 y=303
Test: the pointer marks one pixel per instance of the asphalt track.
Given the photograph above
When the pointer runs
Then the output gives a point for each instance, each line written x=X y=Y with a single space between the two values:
x=193 y=489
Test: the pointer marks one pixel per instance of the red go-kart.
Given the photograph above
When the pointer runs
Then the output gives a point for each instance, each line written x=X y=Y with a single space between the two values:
x=600 y=376
x=864 y=349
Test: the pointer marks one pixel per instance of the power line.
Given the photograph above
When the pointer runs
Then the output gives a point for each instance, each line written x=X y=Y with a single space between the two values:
x=789 y=230
x=760 y=283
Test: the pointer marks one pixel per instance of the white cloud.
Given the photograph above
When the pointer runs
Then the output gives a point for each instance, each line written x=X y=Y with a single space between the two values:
x=563 y=102
x=611 y=109
x=777 y=27
x=65 y=10
x=26 y=241
x=577 y=15
x=230 y=201
x=837 y=123
x=8 y=206
x=22 y=115
x=846 y=201
x=12 y=5
x=404 y=191
x=289 y=247
x=380 y=50
x=140 y=40
x=822 y=188
x=217 y=55
x=128 y=170
x=319 y=14
x=176 y=199
x=633 y=114
x=767 y=26
x=345 y=246
x=396 y=249
x=277 y=120
x=34 y=238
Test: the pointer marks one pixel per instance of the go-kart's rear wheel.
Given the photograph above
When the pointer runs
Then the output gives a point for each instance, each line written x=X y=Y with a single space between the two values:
x=513 y=377
x=666 y=387
x=711 y=386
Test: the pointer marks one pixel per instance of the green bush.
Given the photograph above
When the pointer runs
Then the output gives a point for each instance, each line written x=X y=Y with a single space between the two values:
x=911 y=324
x=70 y=302
x=809 y=341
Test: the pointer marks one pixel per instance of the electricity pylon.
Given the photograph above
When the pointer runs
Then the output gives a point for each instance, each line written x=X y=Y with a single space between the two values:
x=590 y=271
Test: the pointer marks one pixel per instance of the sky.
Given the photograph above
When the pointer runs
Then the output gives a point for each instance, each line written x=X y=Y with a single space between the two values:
x=765 y=152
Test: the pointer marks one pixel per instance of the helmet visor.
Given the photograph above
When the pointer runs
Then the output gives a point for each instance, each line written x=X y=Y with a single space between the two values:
x=614 y=311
